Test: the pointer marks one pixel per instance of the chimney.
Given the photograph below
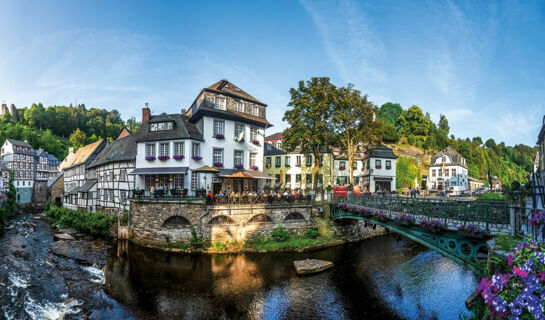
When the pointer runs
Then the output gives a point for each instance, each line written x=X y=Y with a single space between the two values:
x=70 y=150
x=145 y=114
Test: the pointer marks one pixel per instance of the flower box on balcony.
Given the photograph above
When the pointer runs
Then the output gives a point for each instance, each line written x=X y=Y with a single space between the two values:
x=254 y=168
x=196 y=158
x=388 y=167
x=178 y=157
x=218 y=164
x=256 y=142
x=238 y=166
x=342 y=168
x=150 y=158
x=164 y=158
x=219 y=136
x=378 y=167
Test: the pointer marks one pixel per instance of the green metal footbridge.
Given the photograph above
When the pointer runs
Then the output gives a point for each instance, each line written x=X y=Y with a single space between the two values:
x=492 y=217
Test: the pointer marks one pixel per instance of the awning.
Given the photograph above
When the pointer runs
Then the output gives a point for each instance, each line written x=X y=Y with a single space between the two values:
x=227 y=172
x=206 y=169
x=258 y=175
x=160 y=170
x=382 y=178
x=240 y=174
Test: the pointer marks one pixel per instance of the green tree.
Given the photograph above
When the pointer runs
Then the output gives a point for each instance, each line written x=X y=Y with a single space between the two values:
x=311 y=130
x=390 y=112
x=477 y=140
x=78 y=139
x=443 y=123
x=406 y=172
x=413 y=121
x=355 y=124
x=389 y=133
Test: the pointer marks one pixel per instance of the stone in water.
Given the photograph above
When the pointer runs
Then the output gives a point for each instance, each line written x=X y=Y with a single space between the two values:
x=311 y=266
x=63 y=236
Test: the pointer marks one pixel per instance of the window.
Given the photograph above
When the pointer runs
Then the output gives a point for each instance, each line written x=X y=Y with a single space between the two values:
x=342 y=165
x=298 y=178
x=277 y=176
x=433 y=173
x=440 y=172
x=179 y=148
x=298 y=161
x=446 y=172
x=220 y=103
x=388 y=164
x=123 y=195
x=150 y=149
x=240 y=106
x=123 y=175
x=308 y=179
x=320 y=179
x=378 y=164
x=268 y=162
x=321 y=160
x=239 y=158
x=277 y=161
x=161 y=126
x=194 y=181
x=454 y=172
x=253 y=159
x=164 y=149
x=218 y=155
x=288 y=179
x=279 y=144
x=287 y=161
x=111 y=195
x=110 y=176
x=355 y=165
x=309 y=160
x=254 y=134
x=219 y=127
x=444 y=159
x=195 y=149
x=255 y=111
x=239 y=131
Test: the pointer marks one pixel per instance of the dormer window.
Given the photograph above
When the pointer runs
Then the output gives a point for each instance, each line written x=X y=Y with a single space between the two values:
x=220 y=103
x=240 y=106
x=255 y=111
x=161 y=126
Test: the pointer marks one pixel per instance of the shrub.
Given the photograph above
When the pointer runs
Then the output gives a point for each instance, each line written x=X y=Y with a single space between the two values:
x=196 y=241
x=219 y=246
x=493 y=196
x=280 y=234
x=94 y=223
x=312 y=232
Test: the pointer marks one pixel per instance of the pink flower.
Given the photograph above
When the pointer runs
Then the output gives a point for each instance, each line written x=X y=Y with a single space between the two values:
x=510 y=260
x=541 y=276
x=519 y=272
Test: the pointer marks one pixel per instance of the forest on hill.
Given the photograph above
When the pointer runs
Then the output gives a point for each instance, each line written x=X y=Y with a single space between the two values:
x=484 y=158
x=56 y=128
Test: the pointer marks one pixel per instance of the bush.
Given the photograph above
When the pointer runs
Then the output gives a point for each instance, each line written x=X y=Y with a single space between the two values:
x=219 y=246
x=196 y=241
x=492 y=196
x=312 y=232
x=280 y=234
x=96 y=224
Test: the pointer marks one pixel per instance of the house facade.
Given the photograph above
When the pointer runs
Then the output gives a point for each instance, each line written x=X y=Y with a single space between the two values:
x=111 y=168
x=341 y=170
x=448 y=169
x=379 y=174
x=19 y=157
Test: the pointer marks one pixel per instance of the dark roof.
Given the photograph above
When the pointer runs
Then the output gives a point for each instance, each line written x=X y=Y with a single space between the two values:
x=541 y=133
x=203 y=110
x=123 y=149
x=270 y=150
x=87 y=185
x=19 y=143
x=225 y=87
x=382 y=152
x=41 y=153
x=182 y=129
x=3 y=167
x=455 y=157
x=275 y=136
x=160 y=170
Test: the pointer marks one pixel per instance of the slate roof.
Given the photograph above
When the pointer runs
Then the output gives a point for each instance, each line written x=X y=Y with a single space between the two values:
x=455 y=157
x=225 y=87
x=123 y=149
x=87 y=185
x=84 y=154
x=270 y=150
x=275 y=136
x=19 y=143
x=382 y=152
x=182 y=129
x=41 y=153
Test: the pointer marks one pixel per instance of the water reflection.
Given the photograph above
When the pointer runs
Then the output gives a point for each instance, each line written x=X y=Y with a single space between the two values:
x=375 y=279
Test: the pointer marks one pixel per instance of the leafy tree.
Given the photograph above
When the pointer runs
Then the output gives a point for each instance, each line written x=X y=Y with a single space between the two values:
x=78 y=139
x=390 y=112
x=389 y=133
x=311 y=130
x=491 y=143
x=413 y=121
x=406 y=172
x=354 y=124
x=477 y=140
x=443 y=123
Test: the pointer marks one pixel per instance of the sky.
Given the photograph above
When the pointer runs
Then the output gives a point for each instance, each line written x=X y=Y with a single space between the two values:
x=481 y=63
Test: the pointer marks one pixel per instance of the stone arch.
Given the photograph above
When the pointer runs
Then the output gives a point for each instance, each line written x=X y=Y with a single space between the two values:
x=176 y=221
x=293 y=216
x=260 y=218
x=222 y=219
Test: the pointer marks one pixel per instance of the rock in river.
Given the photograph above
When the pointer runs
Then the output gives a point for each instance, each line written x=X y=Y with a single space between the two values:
x=63 y=236
x=311 y=266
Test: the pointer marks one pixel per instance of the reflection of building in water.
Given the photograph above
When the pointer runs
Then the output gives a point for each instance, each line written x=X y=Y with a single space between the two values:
x=235 y=274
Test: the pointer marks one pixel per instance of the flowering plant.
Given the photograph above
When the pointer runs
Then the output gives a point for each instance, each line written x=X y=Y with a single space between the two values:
x=538 y=218
x=178 y=157
x=254 y=167
x=196 y=158
x=150 y=158
x=518 y=293
x=239 y=166
x=432 y=225
x=404 y=218
x=380 y=215
x=470 y=228
x=342 y=205
x=218 y=164
x=163 y=158
x=219 y=136
x=388 y=167
x=342 y=168
x=256 y=142
x=378 y=167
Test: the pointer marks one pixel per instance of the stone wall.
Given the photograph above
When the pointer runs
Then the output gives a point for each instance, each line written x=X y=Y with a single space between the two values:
x=57 y=191
x=215 y=223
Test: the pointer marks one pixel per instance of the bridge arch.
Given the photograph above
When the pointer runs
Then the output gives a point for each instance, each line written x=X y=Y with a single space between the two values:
x=176 y=221
x=294 y=216
x=221 y=219
x=260 y=218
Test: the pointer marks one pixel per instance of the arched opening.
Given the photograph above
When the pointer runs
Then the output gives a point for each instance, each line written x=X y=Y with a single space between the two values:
x=259 y=218
x=294 y=216
x=176 y=221
x=221 y=220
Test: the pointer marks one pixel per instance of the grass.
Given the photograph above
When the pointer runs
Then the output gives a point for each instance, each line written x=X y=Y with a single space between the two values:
x=507 y=243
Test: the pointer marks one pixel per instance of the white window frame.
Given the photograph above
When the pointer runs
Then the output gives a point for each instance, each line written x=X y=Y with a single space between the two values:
x=240 y=158
x=198 y=148
x=214 y=155
x=241 y=106
x=179 y=148
x=164 y=148
x=254 y=133
x=194 y=181
x=150 y=149
x=219 y=127
x=255 y=111
x=220 y=103
x=253 y=159
x=239 y=127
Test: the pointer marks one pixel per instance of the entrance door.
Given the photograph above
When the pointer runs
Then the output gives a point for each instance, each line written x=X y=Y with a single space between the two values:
x=216 y=188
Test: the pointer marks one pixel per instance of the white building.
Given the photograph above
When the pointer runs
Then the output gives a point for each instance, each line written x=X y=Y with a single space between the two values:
x=19 y=157
x=448 y=169
x=380 y=170
x=341 y=170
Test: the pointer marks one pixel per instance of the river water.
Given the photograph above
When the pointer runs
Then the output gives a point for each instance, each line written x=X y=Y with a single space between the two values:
x=380 y=278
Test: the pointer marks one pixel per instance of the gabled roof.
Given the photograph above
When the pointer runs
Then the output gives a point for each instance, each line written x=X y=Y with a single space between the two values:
x=51 y=157
x=19 y=143
x=225 y=87
x=275 y=136
x=382 y=152
x=455 y=157
x=182 y=129
x=85 y=154
x=41 y=153
x=271 y=150
x=123 y=149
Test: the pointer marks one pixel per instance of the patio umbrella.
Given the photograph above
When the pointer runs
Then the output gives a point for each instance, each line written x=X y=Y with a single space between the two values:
x=240 y=174
x=206 y=169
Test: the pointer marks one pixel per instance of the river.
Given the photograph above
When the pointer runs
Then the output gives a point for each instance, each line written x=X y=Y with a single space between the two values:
x=380 y=278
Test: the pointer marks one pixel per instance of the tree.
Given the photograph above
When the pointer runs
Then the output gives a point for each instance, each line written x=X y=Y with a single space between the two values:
x=389 y=133
x=311 y=130
x=443 y=123
x=355 y=124
x=477 y=140
x=491 y=143
x=78 y=139
x=406 y=172
x=413 y=121
x=390 y=112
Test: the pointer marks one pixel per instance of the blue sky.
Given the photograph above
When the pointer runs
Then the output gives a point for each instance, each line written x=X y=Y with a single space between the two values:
x=481 y=63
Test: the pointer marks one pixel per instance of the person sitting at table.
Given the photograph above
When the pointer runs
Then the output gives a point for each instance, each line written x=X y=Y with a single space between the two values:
x=152 y=190
x=160 y=188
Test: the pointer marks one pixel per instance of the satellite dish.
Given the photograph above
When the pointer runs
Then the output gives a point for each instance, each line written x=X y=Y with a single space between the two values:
x=241 y=136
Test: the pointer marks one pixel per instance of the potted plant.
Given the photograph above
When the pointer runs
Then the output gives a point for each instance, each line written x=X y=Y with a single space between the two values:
x=239 y=166
x=164 y=158
x=538 y=218
x=219 y=136
x=256 y=142
x=178 y=156
x=150 y=158
x=470 y=230
x=378 y=166
x=432 y=225
x=254 y=168
x=218 y=164
x=403 y=219
x=342 y=168
x=388 y=167
x=196 y=158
